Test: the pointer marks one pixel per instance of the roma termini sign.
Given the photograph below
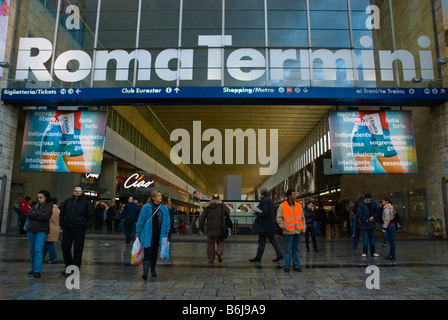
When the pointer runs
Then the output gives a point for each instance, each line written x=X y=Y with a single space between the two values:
x=242 y=64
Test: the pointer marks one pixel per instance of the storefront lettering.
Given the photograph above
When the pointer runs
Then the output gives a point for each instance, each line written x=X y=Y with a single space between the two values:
x=136 y=181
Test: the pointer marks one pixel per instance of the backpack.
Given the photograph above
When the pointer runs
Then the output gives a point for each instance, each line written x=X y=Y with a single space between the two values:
x=397 y=220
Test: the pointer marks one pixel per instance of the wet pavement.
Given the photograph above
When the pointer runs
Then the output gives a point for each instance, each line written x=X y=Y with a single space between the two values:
x=337 y=272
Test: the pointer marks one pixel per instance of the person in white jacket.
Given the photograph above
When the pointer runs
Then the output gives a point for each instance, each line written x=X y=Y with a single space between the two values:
x=389 y=225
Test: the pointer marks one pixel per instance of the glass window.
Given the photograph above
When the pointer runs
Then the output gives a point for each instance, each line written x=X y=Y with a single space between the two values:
x=329 y=29
x=117 y=33
x=76 y=31
x=244 y=21
x=159 y=24
x=287 y=23
x=159 y=31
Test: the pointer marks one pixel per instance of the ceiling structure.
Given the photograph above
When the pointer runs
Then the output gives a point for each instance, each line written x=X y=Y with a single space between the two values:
x=292 y=122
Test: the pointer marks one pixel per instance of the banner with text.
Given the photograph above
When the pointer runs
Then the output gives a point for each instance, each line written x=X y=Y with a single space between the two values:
x=63 y=141
x=372 y=142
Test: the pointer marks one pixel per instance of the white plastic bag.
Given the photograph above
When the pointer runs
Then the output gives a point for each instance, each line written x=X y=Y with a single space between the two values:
x=137 y=253
x=165 y=249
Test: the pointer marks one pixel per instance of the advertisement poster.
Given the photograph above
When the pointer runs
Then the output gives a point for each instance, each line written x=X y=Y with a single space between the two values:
x=4 y=19
x=63 y=141
x=372 y=142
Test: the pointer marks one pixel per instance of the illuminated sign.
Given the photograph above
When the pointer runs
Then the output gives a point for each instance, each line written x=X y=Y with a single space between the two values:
x=372 y=142
x=136 y=181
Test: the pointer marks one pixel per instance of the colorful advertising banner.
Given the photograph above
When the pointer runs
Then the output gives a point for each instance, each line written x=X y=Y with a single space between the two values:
x=63 y=141
x=372 y=142
x=4 y=20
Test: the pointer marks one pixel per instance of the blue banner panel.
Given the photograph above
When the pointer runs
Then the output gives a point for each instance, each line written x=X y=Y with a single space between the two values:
x=226 y=95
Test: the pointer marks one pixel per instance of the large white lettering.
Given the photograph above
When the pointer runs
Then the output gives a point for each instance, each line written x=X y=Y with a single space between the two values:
x=244 y=64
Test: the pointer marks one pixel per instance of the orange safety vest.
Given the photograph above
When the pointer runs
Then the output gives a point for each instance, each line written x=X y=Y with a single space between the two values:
x=292 y=219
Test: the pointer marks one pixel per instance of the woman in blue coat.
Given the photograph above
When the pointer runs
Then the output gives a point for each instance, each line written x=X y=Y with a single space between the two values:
x=152 y=226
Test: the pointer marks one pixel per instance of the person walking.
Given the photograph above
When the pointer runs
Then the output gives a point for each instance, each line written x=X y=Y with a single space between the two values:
x=153 y=225
x=130 y=216
x=53 y=235
x=211 y=222
x=266 y=227
x=37 y=228
x=172 y=212
x=310 y=217
x=290 y=219
x=380 y=221
x=24 y=208
x=356 y=224
x=388 y=227
x=367 y=211
x=75 y=218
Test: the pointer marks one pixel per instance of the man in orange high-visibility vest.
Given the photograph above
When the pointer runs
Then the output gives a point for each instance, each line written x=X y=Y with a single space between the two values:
x=290 y=219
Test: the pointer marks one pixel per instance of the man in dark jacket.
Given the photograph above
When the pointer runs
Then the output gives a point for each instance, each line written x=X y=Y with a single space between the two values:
x=212 y=222
x=76 y=217
x=265 y=226
x=130 y=216
x=367 y=212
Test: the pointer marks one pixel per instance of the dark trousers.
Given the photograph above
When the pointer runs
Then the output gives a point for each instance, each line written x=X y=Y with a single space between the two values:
x=75 y=237
x=129 y=230
x=310 y=231
x=262 y=245
x=150 y=257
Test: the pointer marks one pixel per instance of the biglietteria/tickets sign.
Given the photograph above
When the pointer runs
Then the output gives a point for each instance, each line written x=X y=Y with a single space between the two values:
x=372 y=142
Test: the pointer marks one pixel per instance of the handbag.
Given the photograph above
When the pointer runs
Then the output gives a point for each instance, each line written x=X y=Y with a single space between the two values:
x=165 y=249
x=137 y=253
x=397 y=220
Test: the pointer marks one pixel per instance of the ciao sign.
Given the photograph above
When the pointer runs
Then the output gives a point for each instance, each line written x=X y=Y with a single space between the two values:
x=138 y=181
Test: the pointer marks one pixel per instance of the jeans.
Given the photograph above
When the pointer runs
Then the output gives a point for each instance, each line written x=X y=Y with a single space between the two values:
x=352 y=226
x=291 y=242
x=262 y=245
x=37 y=243
x=49 y=247
x=368 y=237
x=390 y=231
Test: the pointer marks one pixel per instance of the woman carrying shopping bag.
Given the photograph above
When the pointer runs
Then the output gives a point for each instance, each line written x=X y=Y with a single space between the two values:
x=152 y=226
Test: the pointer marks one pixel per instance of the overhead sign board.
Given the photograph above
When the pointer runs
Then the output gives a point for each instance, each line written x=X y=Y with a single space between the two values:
x=228 y=95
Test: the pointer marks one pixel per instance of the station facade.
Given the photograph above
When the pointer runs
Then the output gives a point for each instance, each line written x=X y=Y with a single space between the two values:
x=130 y=60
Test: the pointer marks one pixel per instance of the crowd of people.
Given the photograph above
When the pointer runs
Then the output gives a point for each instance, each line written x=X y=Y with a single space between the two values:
x=150 y=222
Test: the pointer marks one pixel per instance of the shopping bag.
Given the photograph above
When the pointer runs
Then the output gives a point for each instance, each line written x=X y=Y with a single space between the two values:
x=165 y=249
x=137 y=253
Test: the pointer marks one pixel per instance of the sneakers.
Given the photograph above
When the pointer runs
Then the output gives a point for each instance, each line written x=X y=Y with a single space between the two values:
x=390 y=258
x=51 y=261
x=364 y=255
x=255 y=260
x=277 y=259
x=375 y=255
